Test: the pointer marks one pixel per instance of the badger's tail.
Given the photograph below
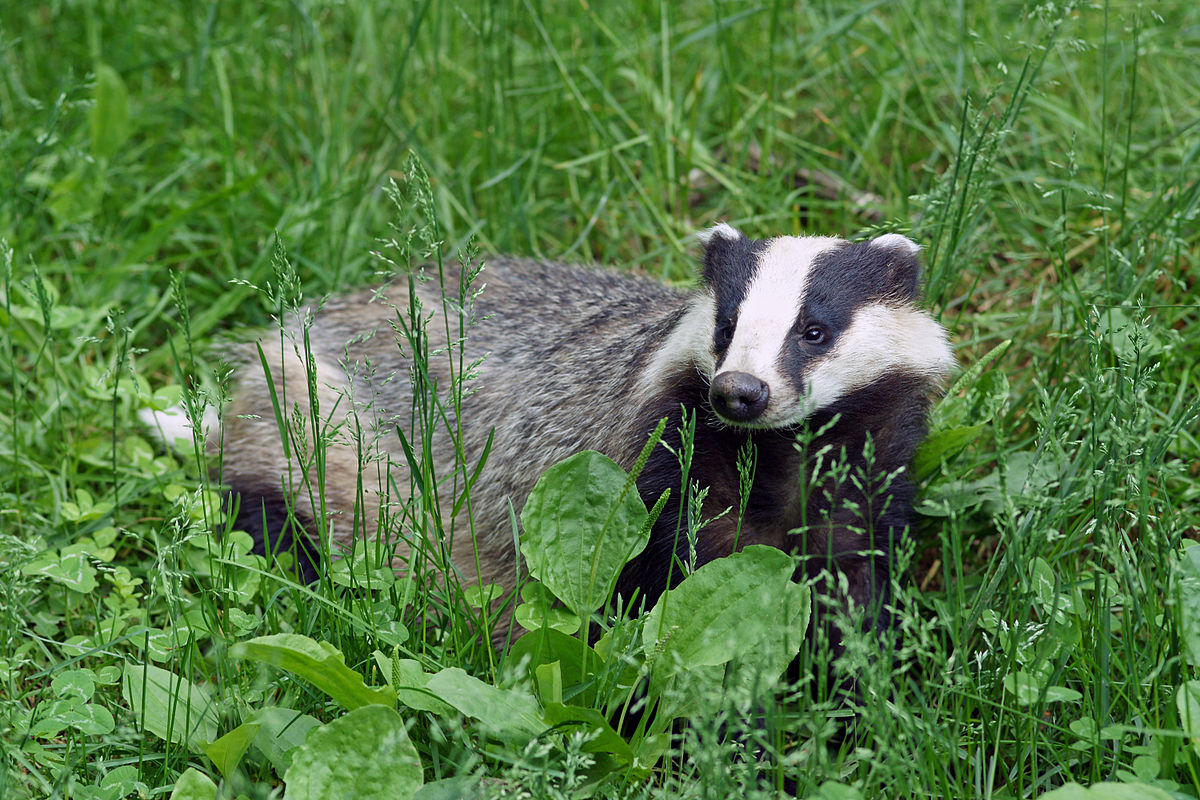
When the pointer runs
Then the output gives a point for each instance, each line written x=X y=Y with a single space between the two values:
x=174 y=429
x=260 y=510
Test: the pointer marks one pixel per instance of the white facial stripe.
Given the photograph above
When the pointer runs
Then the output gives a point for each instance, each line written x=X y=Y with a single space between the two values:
x=769 y=309
x=689 y=343
x=879 y=340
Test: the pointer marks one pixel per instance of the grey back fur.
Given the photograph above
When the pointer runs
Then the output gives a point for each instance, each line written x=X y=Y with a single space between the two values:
x=560 y=351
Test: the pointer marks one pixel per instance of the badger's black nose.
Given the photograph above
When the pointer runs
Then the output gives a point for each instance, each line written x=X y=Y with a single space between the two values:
x=738 y=396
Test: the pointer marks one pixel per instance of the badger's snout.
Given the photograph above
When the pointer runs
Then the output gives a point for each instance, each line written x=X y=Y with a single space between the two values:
x=738 y=396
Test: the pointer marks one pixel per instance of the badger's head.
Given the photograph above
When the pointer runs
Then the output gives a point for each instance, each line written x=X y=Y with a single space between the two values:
x=798 y=323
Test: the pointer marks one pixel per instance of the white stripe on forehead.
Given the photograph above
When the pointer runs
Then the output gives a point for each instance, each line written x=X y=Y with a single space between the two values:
x=768 y=310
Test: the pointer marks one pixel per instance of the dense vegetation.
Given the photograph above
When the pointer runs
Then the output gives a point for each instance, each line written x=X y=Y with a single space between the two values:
x=175 y=171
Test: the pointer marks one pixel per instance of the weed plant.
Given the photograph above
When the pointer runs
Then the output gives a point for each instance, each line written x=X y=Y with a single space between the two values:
x=160 y=162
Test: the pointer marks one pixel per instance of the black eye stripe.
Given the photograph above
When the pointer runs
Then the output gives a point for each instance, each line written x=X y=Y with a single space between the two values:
x=723 y=334
x=814 y=334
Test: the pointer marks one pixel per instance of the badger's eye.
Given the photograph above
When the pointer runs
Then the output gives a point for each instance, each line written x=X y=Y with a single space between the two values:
x=814 y=335
x=724 y=334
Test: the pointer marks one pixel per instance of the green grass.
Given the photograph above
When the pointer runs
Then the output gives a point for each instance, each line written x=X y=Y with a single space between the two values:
x=1046 y=158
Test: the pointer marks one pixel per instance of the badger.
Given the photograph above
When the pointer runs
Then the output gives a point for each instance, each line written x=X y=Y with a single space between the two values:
x=811 y=353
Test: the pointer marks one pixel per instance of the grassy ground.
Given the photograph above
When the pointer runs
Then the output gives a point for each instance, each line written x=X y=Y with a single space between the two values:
x=1045 y=157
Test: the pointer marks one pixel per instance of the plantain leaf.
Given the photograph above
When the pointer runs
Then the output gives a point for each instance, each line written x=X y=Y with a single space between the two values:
x=280 y=732
x=1187 y=567
x=1107 y=790
x=579 y=664
x=170 y=707
x=194 y=785
x=226 y=753
x=582 y=522
x=603 y=739
x=365 y=754
x=728 y=609
x=1187 y=702
x=507 y=713
x=408 y=678
x=109 y=117
x=319 y=663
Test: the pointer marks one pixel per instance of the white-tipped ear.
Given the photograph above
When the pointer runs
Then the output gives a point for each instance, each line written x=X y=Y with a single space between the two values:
x=894 y=241
x=721 y=229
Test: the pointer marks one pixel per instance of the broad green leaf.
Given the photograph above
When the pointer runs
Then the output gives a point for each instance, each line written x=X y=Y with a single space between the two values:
x=73 y=198
x=226 y=753
x=319 y=663
x=838 y=791
x=109 y=117
x=482 y=596
x=160 y=644
x=408 y=678
x=578 y=663
x=85 y=509
x=548 y=678
x=603 y=738
x=280 y=732
x=1085 y=728
x=1107 y=791
x=1188 y=569
x=1147 y=767
x=170 y=707
x=107 y=676
x=365 y=754
x=194 y=785
x=1187 y=701
x=388 y=629
x=164 y=397
x=1024 y=686
x=582 y=522
x=722 y=611
x=1048 y=589
x=1030 y=477
x=506 y=713
x=970 y=405
x=780 y=644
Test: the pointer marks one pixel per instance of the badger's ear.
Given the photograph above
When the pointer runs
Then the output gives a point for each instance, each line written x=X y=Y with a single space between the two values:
x=722 y=230
x=721 y=242
x=903 y=262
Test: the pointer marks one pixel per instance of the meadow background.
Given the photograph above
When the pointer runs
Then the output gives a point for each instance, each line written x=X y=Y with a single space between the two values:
x=160 y=161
